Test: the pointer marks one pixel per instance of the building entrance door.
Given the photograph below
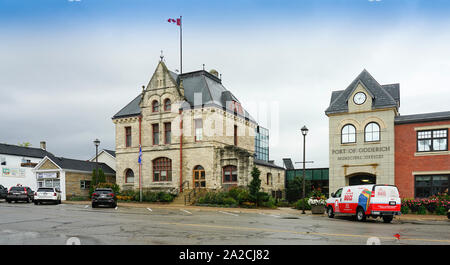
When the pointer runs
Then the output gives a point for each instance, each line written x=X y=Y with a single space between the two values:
x=362 y=179
x=199 y=177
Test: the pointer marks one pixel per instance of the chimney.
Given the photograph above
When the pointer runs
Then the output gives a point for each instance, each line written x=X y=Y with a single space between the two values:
x=43 y=145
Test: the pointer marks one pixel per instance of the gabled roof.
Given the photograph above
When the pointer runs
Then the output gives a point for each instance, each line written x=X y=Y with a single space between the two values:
x=200 y=86
x=424 y=117
x=383 y=95
x=79 y=165
x=267 y=164
x=8 y=149
x=111 y=152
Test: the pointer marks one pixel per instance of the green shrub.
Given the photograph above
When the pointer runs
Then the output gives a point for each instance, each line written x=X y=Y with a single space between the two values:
x=79 y=198
x=229 y=201
x=270 y=203
x=283 y=203
x=404 y=209
x=148 y=196
x=422 y=210
x=165 y=197
x=299 y=204
x=239 y=194
x=441 y=210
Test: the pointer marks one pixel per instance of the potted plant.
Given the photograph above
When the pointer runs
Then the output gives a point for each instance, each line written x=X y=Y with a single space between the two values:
x=317 y=201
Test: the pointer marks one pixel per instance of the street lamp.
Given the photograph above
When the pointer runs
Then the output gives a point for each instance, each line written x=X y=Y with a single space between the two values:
x=304 y=132
x=97 y=143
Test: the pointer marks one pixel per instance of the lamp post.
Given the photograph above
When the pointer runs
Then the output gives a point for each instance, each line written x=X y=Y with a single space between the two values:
x=304 y=133
x=97 y=143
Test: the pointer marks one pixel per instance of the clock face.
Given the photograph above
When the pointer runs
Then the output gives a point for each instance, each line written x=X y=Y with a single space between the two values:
x=359 y=98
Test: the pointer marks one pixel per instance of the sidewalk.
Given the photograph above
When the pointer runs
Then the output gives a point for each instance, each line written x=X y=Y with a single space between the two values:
x=281 y=210
x=285 y=210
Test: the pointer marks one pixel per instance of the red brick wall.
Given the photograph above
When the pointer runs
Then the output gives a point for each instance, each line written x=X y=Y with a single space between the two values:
x=406 y=162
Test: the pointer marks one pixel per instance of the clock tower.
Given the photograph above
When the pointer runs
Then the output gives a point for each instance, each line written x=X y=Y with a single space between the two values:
x=361 y=132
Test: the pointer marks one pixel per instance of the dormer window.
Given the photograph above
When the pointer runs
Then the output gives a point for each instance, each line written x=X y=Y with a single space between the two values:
x=237 y=108
x=155 y=106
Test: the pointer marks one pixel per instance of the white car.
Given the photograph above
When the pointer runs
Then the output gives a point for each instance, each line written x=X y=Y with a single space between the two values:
x=47 y=195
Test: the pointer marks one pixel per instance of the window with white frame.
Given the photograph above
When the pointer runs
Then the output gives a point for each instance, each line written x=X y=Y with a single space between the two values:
x=372 y=132
x=348 y=134
x=432 y=140
x=85 y=184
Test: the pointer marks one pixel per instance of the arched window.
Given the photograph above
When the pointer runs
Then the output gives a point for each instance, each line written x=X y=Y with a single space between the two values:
x=162 y=169
x=199 y=177
x=167 y=104
x=269 y=179
x=155 y=106
x=129 y=176
x=372 y=132
x=348 y=134
x=229 y=174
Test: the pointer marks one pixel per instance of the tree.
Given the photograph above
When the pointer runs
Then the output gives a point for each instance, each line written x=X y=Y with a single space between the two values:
x=254 y=187
x=255 y=183
x=294 y=189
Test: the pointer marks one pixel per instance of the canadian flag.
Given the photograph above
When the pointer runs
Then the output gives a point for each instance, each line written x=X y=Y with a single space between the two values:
x=178 y=21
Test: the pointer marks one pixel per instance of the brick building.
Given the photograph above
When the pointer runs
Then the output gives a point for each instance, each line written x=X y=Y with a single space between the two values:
x=193 y=133
x=422 y=156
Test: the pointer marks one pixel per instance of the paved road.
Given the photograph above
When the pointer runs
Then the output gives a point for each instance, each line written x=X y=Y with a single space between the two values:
x=22 y=223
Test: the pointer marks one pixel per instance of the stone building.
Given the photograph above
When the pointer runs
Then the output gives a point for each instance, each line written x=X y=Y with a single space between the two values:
x=193 y=133
x=371 y=143
x=361 y=133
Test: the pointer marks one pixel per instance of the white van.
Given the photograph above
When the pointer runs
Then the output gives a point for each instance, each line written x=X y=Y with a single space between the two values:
x=365 y=200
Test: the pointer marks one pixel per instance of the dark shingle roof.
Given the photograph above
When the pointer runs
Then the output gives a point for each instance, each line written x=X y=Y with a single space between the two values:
x=9 y=149
x=203 y=83
x=111 y=152
x=267 y=164
x=425 y=117
x=131 y=109
x=383 y=96
x=81 y=165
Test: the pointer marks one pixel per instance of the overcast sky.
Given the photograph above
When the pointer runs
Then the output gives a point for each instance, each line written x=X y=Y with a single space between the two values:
x=66 y=67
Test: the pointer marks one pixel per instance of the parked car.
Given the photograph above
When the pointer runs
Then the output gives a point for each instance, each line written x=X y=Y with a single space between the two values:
x=47 y=195
x=365 y=201
x=3 y=192
x=104 y=196
x=20 y=193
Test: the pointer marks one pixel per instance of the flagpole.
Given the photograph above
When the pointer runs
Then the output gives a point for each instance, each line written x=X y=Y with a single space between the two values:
x=181 y=45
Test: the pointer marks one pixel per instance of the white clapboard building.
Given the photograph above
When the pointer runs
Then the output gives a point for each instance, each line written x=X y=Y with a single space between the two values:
x=17 y=163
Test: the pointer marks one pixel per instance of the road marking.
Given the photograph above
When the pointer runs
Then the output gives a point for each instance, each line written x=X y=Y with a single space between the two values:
x=86 y=206
x=228 y=213
x=185 y=211
x=304 y=233
x=116 y=207
x=272 y=215
x=149 y=209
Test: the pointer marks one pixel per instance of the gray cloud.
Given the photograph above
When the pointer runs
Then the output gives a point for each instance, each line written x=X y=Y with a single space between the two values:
x=64 y=87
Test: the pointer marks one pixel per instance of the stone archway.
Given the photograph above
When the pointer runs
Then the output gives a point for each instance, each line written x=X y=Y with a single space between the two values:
x=361 y=178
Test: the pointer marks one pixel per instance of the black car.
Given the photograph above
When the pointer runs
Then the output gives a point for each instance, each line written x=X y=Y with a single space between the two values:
x=20 y=193
x=104 y=196
x=3 y=192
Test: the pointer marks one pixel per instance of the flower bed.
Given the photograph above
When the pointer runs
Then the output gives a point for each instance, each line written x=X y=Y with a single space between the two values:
x=432 y=205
